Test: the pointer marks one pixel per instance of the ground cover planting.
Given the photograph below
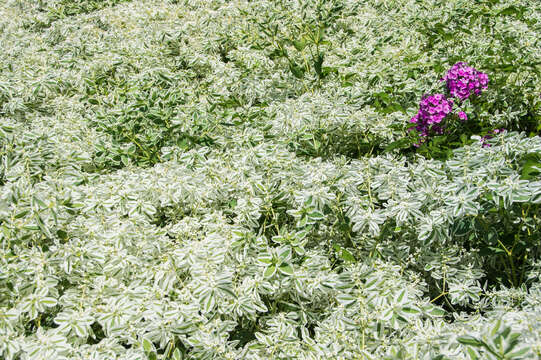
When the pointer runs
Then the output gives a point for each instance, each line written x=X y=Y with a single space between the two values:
x=270 y=179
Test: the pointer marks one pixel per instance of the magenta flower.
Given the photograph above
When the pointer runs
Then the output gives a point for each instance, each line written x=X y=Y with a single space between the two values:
x=432 y=110
x=463 y=81
x=462 y=115
x=484 y=139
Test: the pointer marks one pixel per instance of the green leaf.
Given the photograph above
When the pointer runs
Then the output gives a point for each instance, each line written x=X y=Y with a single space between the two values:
x=296 y=70
x=436 y=311
x=302 y=222
x=398 y=144
x=309 y=201
x=285 y=253
x=318 y=62
x=346 y=299
x=316 y=215
x=511 y=10
x=31 y=227
x=286 y=269
x=344 y=254
x=48 y=301
x=148 y=346
x=531 y=170
x=491 y=250
x=518 y=354
x=470 y=341
x=40 y=203
x=410 y=310
x=62 y=234
x=21 y=214
x=177 y=355
x=401 y=296
x=299 y=44
x=269 y=271
x=462 y=227
x=266 y=259
x=496 y=327
x=473 y=354
x=299 y=250
x=44 y=230
x=208 y=301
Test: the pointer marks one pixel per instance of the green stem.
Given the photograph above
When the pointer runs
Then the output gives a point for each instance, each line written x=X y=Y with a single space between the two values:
x=440 y=295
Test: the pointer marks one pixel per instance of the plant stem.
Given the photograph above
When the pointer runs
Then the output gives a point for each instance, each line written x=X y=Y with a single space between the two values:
x=437 y=297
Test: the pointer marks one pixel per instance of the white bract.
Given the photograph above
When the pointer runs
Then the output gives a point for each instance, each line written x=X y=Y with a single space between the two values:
x=212 y=180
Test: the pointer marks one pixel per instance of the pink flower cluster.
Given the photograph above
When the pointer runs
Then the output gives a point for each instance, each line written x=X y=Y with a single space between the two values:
x=432 y=110
x=463 y=81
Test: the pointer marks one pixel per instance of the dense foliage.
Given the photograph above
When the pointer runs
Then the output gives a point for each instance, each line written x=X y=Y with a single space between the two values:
x=212 y=179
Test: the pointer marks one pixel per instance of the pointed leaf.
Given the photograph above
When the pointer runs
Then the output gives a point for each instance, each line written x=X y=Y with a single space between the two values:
x=470 y=340
x=286 y=269
x=269 y=271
